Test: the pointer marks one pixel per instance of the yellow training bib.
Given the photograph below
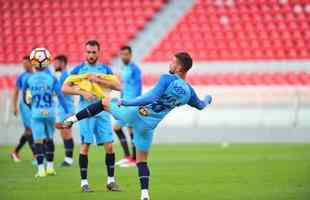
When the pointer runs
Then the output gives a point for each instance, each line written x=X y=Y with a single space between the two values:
x=96 y=89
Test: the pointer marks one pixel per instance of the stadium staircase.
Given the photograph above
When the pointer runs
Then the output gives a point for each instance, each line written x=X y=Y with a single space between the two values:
x=162 y=22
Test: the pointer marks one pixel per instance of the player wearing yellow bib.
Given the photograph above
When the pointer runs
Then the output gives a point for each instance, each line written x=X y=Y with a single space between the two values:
x=99 y=126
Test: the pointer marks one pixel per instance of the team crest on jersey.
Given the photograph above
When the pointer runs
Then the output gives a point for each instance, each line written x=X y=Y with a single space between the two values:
x=143 y=111
x=44 y=112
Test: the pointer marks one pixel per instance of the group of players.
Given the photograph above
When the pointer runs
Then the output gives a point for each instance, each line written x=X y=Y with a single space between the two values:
x=139 y=113
x=20 y=107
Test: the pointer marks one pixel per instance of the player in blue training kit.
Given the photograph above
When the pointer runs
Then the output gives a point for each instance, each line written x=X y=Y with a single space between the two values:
x=60 y=66
x=20 y=107
x=131 y=88
x=145 y=112
x=98 y=127
x=38 y=93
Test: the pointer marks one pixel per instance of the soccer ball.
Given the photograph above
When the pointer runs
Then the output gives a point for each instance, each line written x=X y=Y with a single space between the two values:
x=40 y=58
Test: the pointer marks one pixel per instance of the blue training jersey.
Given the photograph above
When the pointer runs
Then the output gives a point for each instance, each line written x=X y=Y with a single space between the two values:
x=20 y=83
x=131 y=81
x=86 y=68
x=169 y=92
x=68 y=98
x=42 y=86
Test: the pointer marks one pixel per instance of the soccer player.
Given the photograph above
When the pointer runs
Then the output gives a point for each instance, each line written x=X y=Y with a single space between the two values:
x=131 y=88
x=145 y=112
x=98 y=126
x=42 y=85
x=60 y=65
x=20 y=107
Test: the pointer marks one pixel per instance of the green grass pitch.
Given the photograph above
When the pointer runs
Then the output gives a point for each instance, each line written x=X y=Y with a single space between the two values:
x=180 y=172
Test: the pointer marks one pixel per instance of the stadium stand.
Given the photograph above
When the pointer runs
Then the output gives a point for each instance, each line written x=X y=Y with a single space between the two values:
x=212 y=30
x=216 y=79
x=242 y=79
x=67 y=24
x=240 y=30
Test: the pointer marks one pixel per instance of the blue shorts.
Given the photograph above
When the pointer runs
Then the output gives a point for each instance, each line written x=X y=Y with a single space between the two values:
x=42 y=128
x=25 y=114
x=98 y=127
x=142 y=133
x=121 y=123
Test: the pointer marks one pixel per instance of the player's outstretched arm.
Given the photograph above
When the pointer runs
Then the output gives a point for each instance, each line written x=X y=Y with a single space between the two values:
x=69 y=89
x=113 y=85
x=151 y=95
x=196 y=102
x=15 y=100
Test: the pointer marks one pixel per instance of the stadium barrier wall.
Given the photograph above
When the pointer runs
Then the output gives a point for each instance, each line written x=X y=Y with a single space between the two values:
x=202 y=67
x=272 y=108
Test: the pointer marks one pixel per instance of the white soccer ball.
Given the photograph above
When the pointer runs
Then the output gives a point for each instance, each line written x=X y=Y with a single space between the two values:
x=225 y=144
x=40 y=58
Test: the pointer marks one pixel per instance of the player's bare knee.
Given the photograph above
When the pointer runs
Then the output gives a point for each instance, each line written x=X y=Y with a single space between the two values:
x=66 y=134
x=142 y=156
x=108 y=147
x=130 y=130
x=28 y=131
x=84 y=149
x=117 y=127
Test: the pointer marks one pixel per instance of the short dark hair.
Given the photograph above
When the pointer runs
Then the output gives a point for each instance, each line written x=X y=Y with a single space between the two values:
x=185 y=60
x=26 y=57
x=126 y=48
x=62 y=58
x=93 y=43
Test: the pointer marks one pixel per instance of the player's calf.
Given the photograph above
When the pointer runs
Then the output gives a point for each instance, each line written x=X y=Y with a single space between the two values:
x=110 y=163
x=49 y=153
x=133 y=146
x=69 y=145
x=83 y=164
x=31 y=142
x=21 y=142
x=122 y=138
x=144 y=174
x=39 y=146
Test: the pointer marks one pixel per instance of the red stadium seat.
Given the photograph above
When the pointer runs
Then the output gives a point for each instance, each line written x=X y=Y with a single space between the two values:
x=72 y=22
x=274 y=29
x=241 y=79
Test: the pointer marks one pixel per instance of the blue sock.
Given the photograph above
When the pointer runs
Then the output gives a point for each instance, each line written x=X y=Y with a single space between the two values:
x=83 y=162
x=39 y=153
x=22 y=141
x=90 y=110
x=122 y=138
x=49 y=150
x=133 y=146
x=30 y=143
x=144 y=174
x=69 y=145
x=110 y=161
